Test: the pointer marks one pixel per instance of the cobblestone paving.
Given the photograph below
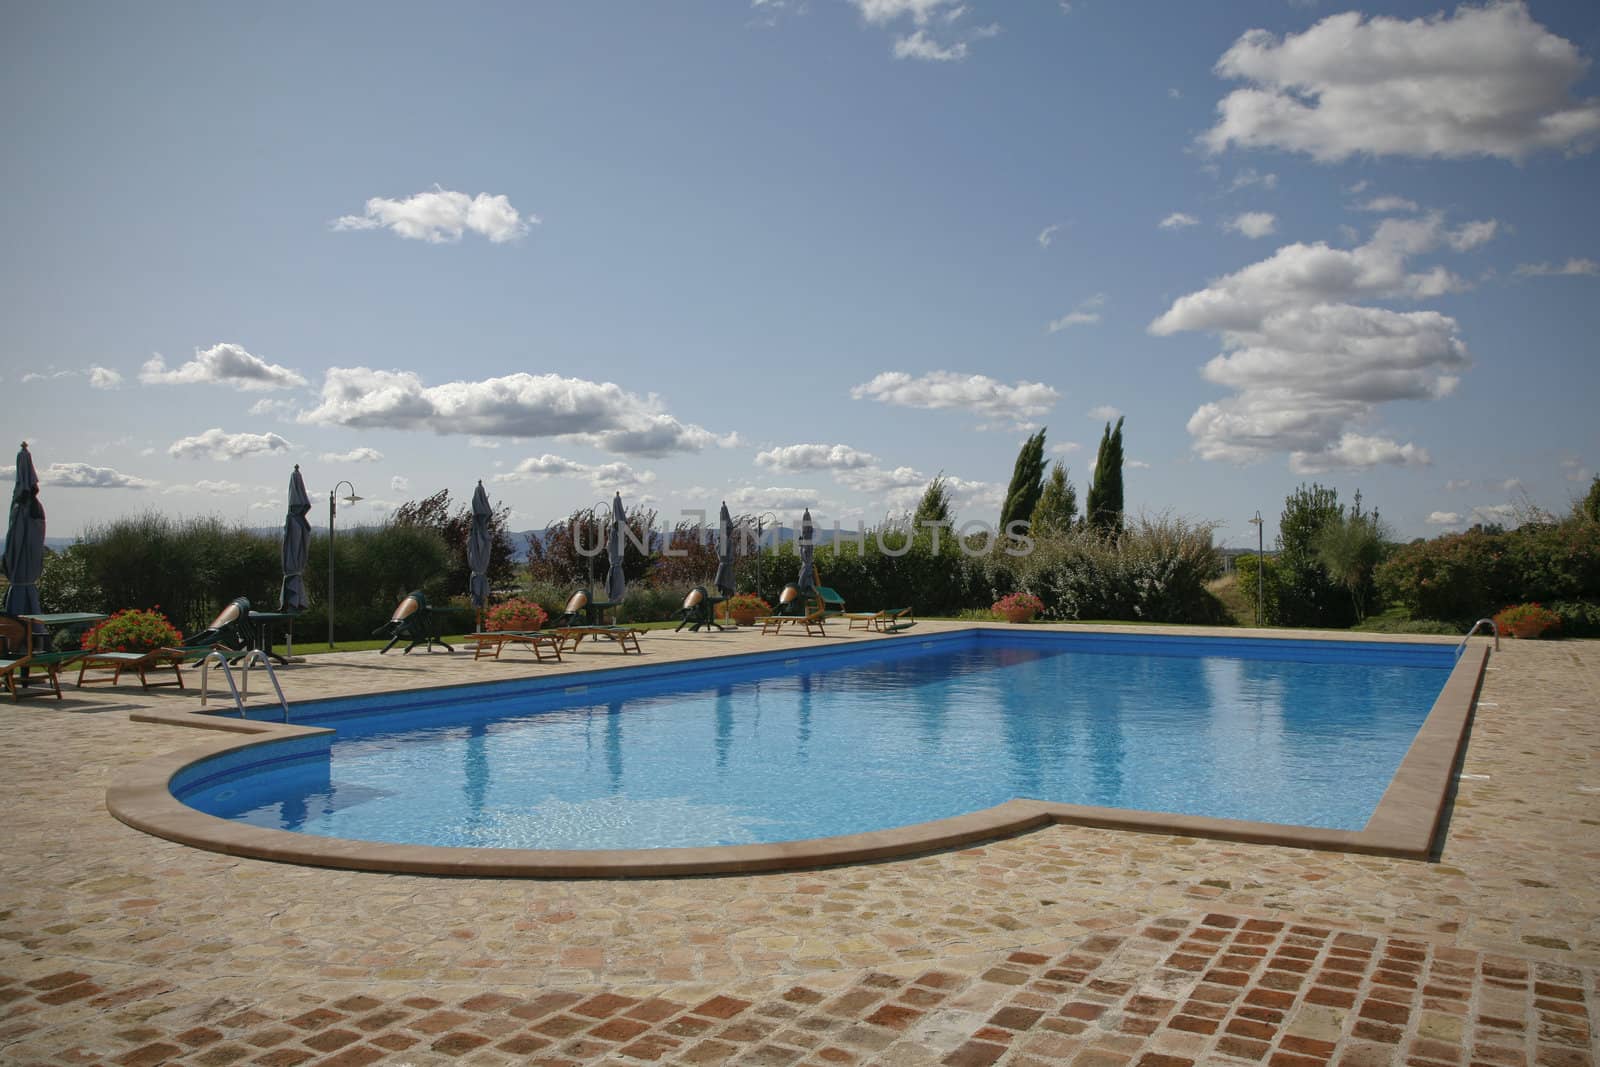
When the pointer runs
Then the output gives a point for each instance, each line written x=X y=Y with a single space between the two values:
x=1067 y=945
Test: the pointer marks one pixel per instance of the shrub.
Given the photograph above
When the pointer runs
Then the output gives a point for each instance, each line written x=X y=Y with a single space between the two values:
x=645 y=604
x=1579 y=618
x=1252 y=569
x=747 y=602
x=1527 y=621
x=132 y=630
x=515 y=615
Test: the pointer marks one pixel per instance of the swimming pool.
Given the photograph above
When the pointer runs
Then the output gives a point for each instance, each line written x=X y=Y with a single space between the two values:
x=777 y=748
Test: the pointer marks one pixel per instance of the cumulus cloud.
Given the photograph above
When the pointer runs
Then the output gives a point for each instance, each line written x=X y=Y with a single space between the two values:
x=218 y=487
x=1444 y=518
x=1472 y=234
x=882 y=12
x=442 y=216
x=85 y=476
x=400 y=484
x=1485 y=81
x=1138 y=465
x=920 y=45
x=1066 y=447
x=948 y=44
x=104 y=378
x=1571 y=266
x=814 y=458
x=1455 y=484
x=977 y=393
x=355 y=455
x=602 y=414
x=1177 y=221
x=1250 y=176
x=1104 y=413
x=606 y=477
x=1047 y=235
x=222 y=364
x=215 y=444
x=1309 y=368
x=1252 y=223
x=1085 y=314
x=1388 y=205
x=1574 y=470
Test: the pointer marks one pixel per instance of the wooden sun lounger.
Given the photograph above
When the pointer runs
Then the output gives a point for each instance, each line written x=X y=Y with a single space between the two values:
x=885 y=622
x=490 y=643
x=48 y=662
x=625 y=637
x=813 y=621
x=141 y=662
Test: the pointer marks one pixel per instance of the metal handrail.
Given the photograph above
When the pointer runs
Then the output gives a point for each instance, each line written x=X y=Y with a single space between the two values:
x=1461 y=647
x=250 y=660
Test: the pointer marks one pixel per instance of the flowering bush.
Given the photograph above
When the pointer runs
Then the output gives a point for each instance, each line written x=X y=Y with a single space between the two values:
x=746 y=604
x=1018 y=604
x=1527 y=620
x=515 y=615
x=131 y=630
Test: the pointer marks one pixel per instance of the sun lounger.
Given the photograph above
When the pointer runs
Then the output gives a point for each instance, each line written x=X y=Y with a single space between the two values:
x=490 y=643
x=812 y=620
x=16 y=659
x=625 y=637
x=886 y=621
x=142 y=662
x=832 y=603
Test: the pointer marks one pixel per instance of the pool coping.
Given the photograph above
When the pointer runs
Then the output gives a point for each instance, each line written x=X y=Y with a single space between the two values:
x=1404 y=824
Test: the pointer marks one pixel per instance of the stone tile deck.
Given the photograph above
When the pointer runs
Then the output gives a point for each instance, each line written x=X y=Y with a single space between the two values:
x=1066 y=945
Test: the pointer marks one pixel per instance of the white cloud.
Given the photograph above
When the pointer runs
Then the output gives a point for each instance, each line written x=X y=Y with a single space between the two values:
x=1472 y=234
x=1574 y=470
x=972 y=392
x=1104 y=413
x=85 y=476
x=609 y=477
x=1571 y=266
x=1444 y=518
x=215 y=444
x=1083 y=315
x=1138 y=465
x=1485 y=81
x=355 y=455
x=1512 y=485
x=1388 y=205
x=1499 y=513
x=400 y=484
x=814 y=457
x=276 y=407
x=777 y=499
x=1252 y=224
x=1066 y=447
x=1048 y=234
x=882 y=12
x=1250 y=176
x=222 y=364
x=601 y=414
x=219 y=487
x=1177 y=221
x=48 y=375
x=442 y=216
x=1455 y=484
x=922 y=46
x=1357 y=452
x=1308 y=368
x=104 y=378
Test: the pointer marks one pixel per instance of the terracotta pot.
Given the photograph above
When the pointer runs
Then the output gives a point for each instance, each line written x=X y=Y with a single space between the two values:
x=1018 y=614
x=518 y=622
x=744 y=617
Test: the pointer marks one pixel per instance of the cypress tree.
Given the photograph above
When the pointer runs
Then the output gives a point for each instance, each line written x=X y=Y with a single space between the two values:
x=935 y=503
x=1057 y=509
x=1103 y=507
x=1027 y=482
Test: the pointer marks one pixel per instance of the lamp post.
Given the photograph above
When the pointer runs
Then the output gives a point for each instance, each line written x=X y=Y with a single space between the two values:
x=1261 y=563
x=333 y=509
x=599 y=511
x=760 y=520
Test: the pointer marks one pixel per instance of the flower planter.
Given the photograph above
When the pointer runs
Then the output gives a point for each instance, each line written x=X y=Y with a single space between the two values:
x=743 y=618
x=1018 y=614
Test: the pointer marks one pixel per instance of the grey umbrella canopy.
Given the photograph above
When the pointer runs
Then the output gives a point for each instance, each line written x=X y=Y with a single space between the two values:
x=724 y=579
x=616 y=581
x=480 y=542
x=296 y=544
x=808 y=570
x=23 y=561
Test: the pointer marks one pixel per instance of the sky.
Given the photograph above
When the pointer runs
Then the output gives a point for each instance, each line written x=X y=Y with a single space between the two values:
x=800 y=253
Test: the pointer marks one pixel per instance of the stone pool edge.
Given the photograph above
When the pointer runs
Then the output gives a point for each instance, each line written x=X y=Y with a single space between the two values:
x=1404 y=824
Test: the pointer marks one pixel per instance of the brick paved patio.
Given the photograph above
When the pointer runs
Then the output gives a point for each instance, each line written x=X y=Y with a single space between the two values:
x=1067 y=945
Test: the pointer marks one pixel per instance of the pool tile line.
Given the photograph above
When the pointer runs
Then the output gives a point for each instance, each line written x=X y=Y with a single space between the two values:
x=1174 y=991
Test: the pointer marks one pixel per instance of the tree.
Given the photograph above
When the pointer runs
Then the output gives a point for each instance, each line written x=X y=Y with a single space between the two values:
x=1307 y=596
x=1027 y=482
x=1057 y=509
x=1103 y=507
x=434 y=513
x=1591 y=503
x=1349 y=549
x=934 y=507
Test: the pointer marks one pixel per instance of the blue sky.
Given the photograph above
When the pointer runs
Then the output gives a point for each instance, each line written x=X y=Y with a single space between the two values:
x=801 y=254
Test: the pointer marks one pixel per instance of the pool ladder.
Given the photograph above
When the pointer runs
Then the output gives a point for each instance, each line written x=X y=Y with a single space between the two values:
x=1490 y=623
x=251 y=658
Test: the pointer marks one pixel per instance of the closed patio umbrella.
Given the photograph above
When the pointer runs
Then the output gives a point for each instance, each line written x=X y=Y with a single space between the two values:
x=23 y=561
x=480 y=543
x=296 y=545
x=616 y=581
x=724 y=578
x=808 y=570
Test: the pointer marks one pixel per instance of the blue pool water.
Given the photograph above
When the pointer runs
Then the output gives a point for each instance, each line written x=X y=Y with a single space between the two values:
x=882 y=735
